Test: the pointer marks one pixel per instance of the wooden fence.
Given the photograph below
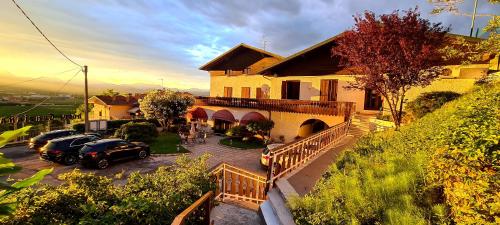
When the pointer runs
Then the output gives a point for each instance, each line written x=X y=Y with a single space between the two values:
x=201 y=208
x=238 y=184
x=331 y=108
x=290 y=156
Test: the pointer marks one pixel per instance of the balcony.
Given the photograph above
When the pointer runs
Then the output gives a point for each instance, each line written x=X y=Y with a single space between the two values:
x=282 y=105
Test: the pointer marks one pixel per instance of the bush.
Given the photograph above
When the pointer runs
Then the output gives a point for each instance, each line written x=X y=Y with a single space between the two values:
x=85 y=198
x=238 y=131
x=134 y=131
x=430 y=101
x=440 y=169
x=79 y=127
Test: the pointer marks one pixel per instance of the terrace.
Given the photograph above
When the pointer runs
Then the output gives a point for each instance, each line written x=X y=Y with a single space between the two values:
x=331 y=108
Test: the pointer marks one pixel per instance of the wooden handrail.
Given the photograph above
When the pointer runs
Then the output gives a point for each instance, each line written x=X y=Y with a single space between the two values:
x=203 y=201
x=288 y=157
x=333 y=108
x=236 y=183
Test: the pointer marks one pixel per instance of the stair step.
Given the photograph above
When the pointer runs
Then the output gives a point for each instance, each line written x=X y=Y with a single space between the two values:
x=276 y=210
x=267 y=215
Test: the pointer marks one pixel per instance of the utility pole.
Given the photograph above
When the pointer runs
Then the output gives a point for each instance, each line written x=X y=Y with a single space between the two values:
x=86 y=100
x=473 y=18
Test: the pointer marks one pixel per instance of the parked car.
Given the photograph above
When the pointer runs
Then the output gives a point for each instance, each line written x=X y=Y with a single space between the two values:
x=66 y=149
x=264 y=159
x=103 y=152
x=39 y=141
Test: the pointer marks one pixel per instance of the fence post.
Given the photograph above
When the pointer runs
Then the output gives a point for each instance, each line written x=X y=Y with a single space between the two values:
x=223 y=182
x=270 y=169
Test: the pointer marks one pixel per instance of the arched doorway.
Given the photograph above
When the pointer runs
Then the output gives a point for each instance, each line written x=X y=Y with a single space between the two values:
x=311 y=126
x=223 y=120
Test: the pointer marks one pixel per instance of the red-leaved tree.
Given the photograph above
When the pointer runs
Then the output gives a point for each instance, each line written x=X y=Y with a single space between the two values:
x=392 y=53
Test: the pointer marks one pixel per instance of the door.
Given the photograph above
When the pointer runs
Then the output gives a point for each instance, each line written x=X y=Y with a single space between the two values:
x=290 y=89
x=228 y=92
x=245 y=92
x=328 y=90
x=258 y=93
x=373 y=101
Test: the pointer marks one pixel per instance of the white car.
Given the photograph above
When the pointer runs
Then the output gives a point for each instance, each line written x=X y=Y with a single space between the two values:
x=264 y=159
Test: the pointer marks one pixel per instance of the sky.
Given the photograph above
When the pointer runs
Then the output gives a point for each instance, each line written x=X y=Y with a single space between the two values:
x=141 y=42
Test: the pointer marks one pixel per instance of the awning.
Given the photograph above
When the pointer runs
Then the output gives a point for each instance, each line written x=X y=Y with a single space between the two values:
x=224 y=115
x=134 y=110
x=197 y=114
x=252 y=116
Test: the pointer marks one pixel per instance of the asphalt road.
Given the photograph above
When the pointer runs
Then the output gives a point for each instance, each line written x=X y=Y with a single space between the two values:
x=30 y=163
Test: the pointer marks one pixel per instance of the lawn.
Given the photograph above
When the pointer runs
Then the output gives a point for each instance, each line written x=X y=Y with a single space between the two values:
x=57 y=110
x=166 y=143
x=239 y=143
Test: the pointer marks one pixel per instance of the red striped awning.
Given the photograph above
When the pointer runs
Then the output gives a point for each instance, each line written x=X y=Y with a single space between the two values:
x=224 y=115
x=197 y=114
x=251 y=116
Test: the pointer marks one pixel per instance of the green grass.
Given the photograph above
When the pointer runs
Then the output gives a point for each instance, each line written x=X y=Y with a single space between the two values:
x=57 y=110
x=166 y=143
x=238 y=143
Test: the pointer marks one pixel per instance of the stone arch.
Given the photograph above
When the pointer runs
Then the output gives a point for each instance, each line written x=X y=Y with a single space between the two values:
x=311 y=126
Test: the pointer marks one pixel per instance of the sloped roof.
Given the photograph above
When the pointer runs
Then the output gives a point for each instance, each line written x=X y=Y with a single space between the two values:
x=252 y=55
x=116 y=100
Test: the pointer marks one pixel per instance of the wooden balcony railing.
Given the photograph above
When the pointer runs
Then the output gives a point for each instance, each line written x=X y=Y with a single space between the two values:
x=282 y=105
x=238 y=184
x=286 y=158
x=202 y=205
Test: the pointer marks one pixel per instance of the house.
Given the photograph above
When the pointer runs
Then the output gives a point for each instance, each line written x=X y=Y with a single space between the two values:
x=303 y=93
x=114 y=107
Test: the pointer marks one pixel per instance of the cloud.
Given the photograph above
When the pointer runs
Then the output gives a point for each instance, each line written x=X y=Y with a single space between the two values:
x=128 y=41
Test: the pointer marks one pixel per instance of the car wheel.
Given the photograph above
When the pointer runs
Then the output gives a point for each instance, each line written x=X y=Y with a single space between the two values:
x=143 y=154
x=102 y=164
x=69 y=159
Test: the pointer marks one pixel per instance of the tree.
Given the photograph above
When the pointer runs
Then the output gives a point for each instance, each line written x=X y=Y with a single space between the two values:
x=7 y=205
x=393 y=53
x=110 y=92
x=81 y=109
x=165 y=106
x=462 y=49
x=261 y=127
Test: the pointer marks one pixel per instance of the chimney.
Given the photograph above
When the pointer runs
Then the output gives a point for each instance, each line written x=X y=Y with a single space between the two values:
x=129 y=97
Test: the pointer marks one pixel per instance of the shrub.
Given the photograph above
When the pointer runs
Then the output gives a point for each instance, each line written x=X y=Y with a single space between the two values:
x=85 y=198
x=79 y=127
x=440 y=169
x=137 y=131
x=238 y=131
x=261 y=127
x=430 y=101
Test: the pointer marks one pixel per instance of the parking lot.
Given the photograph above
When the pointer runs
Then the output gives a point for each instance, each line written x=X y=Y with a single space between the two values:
x=30 y=162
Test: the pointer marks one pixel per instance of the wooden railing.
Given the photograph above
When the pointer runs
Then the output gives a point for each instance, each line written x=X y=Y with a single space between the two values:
x=202 y=205
x=238 y=184
x=290 y=156
x=282 y=105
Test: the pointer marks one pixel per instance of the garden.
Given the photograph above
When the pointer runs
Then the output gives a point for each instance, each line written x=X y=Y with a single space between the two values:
x=440 y=169
x=251 y=136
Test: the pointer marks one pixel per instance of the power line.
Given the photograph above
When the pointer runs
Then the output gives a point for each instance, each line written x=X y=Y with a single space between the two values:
x=58 y=90
x=40 y=31
x=37 y=78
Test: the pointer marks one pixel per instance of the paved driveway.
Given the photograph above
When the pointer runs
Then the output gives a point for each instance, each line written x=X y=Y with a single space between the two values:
x=30 y=162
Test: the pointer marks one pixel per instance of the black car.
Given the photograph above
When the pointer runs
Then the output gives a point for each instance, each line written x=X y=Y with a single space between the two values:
x=39 y=141
x=101 y=153
x=66 y=149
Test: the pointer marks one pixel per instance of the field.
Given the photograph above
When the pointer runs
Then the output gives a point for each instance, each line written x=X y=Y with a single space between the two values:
x=8 y=110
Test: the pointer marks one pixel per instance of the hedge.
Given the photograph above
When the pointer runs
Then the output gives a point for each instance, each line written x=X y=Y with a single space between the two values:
x=430 y=101
x=137 y=131
x=440 y=169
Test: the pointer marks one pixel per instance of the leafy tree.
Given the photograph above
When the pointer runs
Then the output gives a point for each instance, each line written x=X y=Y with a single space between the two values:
x=261 y=127
x=165 y=106
x=393 y=53
x=110 y=92
x=463 y=49
x=7 y=205
x=81 y=109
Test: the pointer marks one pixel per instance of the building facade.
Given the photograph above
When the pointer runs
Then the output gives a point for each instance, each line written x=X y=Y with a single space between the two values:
x=303 y=93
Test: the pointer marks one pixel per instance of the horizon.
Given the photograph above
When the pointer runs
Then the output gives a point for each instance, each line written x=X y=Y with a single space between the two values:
x=175 y=38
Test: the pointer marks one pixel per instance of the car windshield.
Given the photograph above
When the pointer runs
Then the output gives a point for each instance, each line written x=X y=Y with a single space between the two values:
x=265 y=151
x=86 y=148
